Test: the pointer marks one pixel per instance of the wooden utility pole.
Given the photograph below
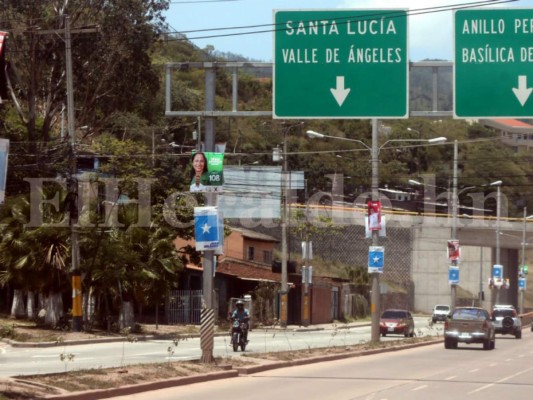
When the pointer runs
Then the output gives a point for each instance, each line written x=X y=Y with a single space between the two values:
x=77 y=314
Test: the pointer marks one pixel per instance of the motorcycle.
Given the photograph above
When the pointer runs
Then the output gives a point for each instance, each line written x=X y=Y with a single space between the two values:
x=238 y=331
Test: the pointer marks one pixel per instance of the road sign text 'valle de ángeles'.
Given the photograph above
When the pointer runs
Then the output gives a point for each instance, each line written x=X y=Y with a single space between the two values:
x=340 y=64
x=493 y=65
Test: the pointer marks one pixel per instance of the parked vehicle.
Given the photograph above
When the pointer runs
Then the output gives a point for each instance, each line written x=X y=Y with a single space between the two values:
x=398 y=322
x=238 y=334
x=506 y=320
x=440 y=312
x=469 y=325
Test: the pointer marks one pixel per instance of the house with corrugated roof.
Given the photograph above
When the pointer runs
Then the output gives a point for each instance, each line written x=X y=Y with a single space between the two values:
x=248 y=263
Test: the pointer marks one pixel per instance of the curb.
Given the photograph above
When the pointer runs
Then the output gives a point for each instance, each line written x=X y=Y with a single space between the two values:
x=144 y=387
x=236 y=372
x=332 y=357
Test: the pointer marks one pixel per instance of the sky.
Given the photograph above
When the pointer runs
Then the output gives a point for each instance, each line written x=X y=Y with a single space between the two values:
x=430 y=33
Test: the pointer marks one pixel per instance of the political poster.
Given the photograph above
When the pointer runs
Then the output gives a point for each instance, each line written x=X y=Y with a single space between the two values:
x=374 y=215
x=375 y=259
x=454 y=251
x=208 y=228
x=207 y=173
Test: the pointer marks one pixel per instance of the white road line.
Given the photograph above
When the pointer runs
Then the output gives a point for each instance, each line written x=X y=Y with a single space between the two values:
x=493 y=364
x=500 y=381
x=419 y=388
x=450 y=378
x=474 y=370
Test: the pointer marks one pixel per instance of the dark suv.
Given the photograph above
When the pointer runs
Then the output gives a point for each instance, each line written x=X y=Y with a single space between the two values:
x=506 y=321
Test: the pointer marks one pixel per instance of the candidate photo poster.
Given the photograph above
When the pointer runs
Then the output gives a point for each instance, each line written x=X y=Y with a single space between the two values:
x=207 y=173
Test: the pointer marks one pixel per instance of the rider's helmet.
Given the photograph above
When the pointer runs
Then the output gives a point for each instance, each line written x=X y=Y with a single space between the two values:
x=239 y=304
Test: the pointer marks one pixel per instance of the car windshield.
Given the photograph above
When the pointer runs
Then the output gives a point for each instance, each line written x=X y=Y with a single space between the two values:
x=469 y=313
x=442 y=308
x=394 y=315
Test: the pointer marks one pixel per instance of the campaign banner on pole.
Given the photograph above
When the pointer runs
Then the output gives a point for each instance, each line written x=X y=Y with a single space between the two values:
x=497 y=271
x=454 y=251
x=374 y=215
x=208 y=228
x=453 y=275
x=4 y=152
x=375 y=259
x=382 y=232
x=207 y=172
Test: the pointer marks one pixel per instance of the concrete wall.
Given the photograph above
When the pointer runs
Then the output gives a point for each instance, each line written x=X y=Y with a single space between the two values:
x=430 y=268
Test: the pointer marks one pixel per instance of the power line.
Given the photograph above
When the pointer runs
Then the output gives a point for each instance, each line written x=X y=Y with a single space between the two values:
x=387 y=14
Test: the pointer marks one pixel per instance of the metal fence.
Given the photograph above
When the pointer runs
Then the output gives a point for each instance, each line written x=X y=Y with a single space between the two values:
x=184 y=307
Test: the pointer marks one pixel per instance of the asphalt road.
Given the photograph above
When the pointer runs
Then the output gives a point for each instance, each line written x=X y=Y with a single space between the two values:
x=422 y=373
x=28 y=361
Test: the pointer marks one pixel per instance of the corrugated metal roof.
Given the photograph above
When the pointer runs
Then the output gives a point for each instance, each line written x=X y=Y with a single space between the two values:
x=249 y=234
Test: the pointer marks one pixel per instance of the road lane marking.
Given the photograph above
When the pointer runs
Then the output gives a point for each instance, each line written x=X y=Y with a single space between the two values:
x=419 y=388
x=450 y=378
x=474 y=370
x=493 y=364
x=500 y=381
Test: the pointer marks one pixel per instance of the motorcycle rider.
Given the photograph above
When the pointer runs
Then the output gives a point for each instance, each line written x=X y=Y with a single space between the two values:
x=243 y=315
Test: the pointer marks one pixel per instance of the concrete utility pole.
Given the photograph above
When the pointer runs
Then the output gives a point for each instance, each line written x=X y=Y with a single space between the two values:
x=375 y=301
x=454 y=215
x=284 y=298
x=207 y=325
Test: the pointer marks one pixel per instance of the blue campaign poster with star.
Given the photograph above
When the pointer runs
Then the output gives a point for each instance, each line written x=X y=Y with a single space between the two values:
x=453 y=275
x=208 y=228
x=375 y=259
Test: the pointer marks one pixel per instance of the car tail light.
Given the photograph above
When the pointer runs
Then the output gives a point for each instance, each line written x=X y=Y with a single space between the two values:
x=514 y=313
x=485 y=325
x=446 y=324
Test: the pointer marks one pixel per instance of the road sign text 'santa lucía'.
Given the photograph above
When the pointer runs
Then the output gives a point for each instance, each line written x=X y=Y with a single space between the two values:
x=340 y=64
x=493 y=66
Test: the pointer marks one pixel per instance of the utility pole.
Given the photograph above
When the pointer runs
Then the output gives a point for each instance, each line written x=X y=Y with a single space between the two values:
x=454 y=215
x=207 y=323
x=284 y=300
x=375 y=306
x=77 y=314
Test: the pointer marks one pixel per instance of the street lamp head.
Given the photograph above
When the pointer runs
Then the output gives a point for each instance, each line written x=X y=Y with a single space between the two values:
x=496 y=183
x=413 y=182
x=439 y=139
x=313 y=134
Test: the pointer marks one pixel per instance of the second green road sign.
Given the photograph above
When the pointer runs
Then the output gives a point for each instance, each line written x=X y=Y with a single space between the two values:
x=493 y=63
x=341 y=64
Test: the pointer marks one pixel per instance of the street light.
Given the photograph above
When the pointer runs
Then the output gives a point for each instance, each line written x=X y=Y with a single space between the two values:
x=374 y=151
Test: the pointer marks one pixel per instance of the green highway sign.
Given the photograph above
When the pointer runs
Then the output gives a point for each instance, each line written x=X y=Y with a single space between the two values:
x=493 y=68
x=340 y=64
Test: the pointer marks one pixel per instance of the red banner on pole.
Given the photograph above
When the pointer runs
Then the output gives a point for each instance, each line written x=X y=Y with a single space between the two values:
x=454 y=251
x=374 y=215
